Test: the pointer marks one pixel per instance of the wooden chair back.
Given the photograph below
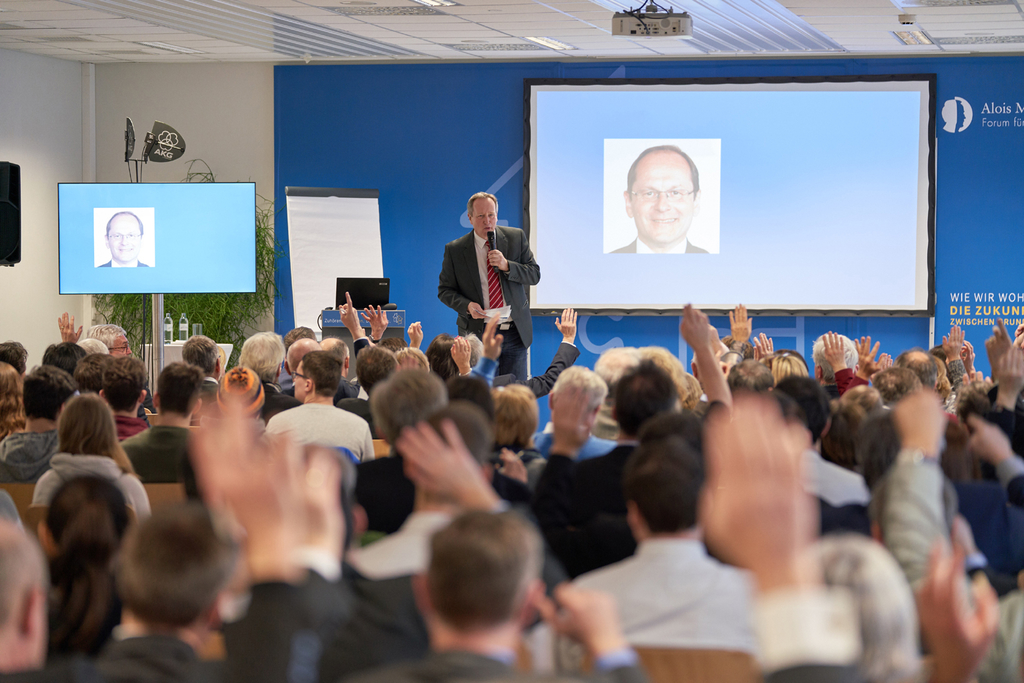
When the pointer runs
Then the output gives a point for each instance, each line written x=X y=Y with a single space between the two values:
x=381 y=448
x=669 y=665
x=161 y=495
x=22 y=495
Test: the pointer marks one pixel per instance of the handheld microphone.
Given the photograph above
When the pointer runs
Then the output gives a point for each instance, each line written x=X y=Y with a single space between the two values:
x=492 y=245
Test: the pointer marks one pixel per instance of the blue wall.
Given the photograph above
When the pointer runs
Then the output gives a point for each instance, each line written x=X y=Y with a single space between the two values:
x=428 y=136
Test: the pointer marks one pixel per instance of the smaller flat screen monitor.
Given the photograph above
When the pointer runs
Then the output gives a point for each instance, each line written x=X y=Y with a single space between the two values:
x=365 y=291
x=157 y=238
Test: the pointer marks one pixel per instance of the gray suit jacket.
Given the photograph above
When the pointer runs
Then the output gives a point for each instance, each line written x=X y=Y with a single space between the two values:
x=464 y=666
x=631 y=249
x=459 y=282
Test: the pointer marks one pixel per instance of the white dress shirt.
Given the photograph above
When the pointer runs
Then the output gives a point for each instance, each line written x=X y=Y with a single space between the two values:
x=835 y=485
x=405 y=552
x=672 y=594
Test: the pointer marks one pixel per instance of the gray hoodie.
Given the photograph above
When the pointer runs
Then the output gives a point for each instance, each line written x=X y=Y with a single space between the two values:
x=24 y=456
x=65 y=467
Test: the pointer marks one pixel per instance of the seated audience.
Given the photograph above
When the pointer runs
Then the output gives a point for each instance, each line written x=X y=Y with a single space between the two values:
x=171 y=571
x=751 y=375
x=64 y=356
x=895 y=383
x=88 y=446
x=515 y=420
x=113 y=337
x=23 y=592
x=290 y=338
x=159 y=453
x=922 y=364
x=93 y=346
x=586 y=380
x=671 y=593
x=404 y=399
x=202 y=352
x=672 y=367
x=124 y=390
x=842 y=493
x=89 y=372
x=610 y=367
x=597 y=483
x=317 y=421
x=838 y=443
x=12 y=406
x=240 y=392
x=439 y=356
x=867 y=397
x=393 y=344
x=375 y=365
x=15 y=355
x=81 y=535
x=785 y=363
x=823 y=370
x=263 y=353
x=24 y=456
x=346 y=388
x=412 y=358
x=483 y=578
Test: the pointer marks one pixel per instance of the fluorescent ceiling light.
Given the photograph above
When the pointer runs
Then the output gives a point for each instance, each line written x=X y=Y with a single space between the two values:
x=550 y=42
x=437 y=3
x=912 y=37
x=174 y=48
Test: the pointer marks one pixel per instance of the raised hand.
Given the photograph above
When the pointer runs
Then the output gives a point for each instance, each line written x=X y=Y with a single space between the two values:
x=739 y=324
x=492 y=341
x=461 y=352
x=755 y=510
x=350 y=319
x=953 y=343
x=67 y=329
x=567 y=325
x=998 y=344
x=512 y=466
x=696 y=329
x=378 y=320
x=988 y=441
x=866 y=365
x=835 y=354
x=444 y=466
x=967 y=356
x=957 y=631
x=588 y=617
x=1009 y=373
x=763 y=347
x=884 y=362
x=415 y=335
x=920 y=422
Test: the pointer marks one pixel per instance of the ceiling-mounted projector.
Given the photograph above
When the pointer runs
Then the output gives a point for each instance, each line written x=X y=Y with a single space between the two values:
x=640 y=24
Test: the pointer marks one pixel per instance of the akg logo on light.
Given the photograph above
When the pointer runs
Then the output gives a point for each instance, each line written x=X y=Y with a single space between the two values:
x=951 y=114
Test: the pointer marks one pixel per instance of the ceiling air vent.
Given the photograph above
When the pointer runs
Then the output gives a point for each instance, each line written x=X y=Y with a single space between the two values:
x=354 y=11
x=981 y=40
x=497 y=47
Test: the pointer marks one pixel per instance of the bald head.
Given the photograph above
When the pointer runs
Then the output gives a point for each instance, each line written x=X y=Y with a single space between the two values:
x=24 y=580
x=335 y=346
x=296 y=352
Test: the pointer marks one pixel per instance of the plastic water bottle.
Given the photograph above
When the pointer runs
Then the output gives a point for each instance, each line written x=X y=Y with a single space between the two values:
x=168 y=329
x=183 y=328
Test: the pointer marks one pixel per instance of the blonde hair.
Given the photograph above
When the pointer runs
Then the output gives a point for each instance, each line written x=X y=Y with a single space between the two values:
x=672 y=366
x=787 y=366
x=515 y=416
x=412 y=358
x=693 y=392
x=12 y=409
x=86 y=427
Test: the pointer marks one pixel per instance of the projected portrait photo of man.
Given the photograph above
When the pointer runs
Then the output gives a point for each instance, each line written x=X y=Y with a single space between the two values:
x=666 y=201
x=124 y=238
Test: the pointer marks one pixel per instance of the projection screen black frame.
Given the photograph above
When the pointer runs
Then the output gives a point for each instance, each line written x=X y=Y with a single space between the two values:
x=929 y=78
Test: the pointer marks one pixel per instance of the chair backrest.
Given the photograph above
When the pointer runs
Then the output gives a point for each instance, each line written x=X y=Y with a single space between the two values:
x=669 y=665
x=380 y=448
x=22 y=496
x=161 y=495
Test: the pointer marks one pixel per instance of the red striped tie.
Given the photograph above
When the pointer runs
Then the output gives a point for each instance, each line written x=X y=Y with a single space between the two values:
x=494 y=289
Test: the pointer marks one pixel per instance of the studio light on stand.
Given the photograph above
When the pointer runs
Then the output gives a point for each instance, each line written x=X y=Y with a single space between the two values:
x=162 y=144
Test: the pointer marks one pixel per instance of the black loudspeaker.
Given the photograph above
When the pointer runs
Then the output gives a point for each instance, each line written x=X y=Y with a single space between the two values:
x=10 y=213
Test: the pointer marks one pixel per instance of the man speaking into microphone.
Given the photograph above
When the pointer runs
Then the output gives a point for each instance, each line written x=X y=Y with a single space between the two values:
x=485 y=270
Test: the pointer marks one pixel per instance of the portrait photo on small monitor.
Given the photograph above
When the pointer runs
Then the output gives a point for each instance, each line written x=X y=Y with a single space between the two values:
x=662 y=196
x=124 y=237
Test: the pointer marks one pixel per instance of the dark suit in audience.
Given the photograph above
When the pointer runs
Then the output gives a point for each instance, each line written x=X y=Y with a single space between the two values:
x=360 y=407
x=597 y=486
x=276 y=401
x=155 y=659
x=541 y=385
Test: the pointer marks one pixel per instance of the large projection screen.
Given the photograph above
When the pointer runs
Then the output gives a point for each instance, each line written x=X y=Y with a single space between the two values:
x=812 y=195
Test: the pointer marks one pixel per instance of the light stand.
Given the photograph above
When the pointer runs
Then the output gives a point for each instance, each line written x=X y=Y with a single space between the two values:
x=162 y=144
